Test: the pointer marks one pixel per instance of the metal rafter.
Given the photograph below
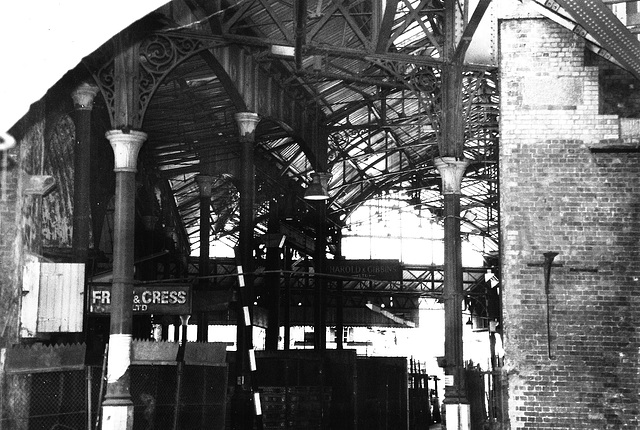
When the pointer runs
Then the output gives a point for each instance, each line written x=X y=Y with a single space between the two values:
x=375 y=74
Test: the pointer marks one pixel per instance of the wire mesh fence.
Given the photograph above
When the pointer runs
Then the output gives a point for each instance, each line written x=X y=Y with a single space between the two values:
x=46 y=400
x=164 y=397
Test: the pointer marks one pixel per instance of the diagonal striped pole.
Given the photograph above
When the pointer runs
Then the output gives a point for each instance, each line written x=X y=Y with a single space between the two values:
x=249 y=387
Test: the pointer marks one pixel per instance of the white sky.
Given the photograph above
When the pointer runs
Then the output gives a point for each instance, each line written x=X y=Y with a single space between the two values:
x=392 y=230
x=43 y=39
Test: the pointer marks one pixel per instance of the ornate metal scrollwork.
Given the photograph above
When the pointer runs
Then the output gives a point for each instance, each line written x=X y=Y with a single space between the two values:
x=340 y=140
x=101 y=66
x=159 y=54
x=424 y=79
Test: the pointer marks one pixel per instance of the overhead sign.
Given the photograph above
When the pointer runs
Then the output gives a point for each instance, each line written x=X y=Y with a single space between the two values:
x=157 y=299
x=380 y=270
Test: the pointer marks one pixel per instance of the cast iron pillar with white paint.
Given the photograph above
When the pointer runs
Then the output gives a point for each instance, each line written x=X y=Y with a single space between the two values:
x=457 y=408
x=82 y=97
x=117 y=408
x=247 y=122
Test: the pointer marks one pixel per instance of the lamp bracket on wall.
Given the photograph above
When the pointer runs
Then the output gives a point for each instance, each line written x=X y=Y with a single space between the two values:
x=547 y=264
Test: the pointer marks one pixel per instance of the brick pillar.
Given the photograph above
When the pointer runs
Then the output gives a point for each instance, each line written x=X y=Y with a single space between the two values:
x=560 y=194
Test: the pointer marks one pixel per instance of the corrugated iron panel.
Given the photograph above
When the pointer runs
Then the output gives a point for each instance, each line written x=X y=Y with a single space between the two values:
x=61 y=300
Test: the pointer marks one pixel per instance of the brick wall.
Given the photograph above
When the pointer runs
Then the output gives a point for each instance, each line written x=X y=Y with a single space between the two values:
x=558 y=195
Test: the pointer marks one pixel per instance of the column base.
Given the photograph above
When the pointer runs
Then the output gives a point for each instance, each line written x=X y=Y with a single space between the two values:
x=457 y=416
x=117 y=417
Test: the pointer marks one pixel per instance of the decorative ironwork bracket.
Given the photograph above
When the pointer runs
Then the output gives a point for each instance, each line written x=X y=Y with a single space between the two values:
x=159 y=54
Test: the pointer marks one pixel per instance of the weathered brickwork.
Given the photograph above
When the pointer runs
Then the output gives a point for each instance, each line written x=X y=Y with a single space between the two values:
x=19 y=218
x=557 y=195
x=9 y=245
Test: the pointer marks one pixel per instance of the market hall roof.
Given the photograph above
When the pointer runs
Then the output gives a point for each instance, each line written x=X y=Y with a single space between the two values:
x=367 y=77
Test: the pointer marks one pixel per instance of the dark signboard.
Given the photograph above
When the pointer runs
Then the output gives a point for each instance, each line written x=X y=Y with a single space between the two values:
x=158 y=299
x=381 y=270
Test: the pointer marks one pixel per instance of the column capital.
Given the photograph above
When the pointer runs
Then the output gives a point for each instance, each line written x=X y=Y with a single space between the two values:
x=247 y=122
x=126 y=147
x=204 y=184
x=451 y=170
x=83 y=96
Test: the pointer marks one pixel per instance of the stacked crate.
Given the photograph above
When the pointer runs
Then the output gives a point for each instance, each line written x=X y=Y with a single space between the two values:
x=274 y=407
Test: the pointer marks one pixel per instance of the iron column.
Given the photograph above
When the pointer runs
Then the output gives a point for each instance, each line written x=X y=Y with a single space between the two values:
x=456 y=404
x=83 y=97
x=204 y=184
x=117 y=408
x=247 y=122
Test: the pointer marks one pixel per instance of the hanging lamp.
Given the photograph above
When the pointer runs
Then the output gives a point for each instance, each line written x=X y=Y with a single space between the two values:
x=317 y=189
